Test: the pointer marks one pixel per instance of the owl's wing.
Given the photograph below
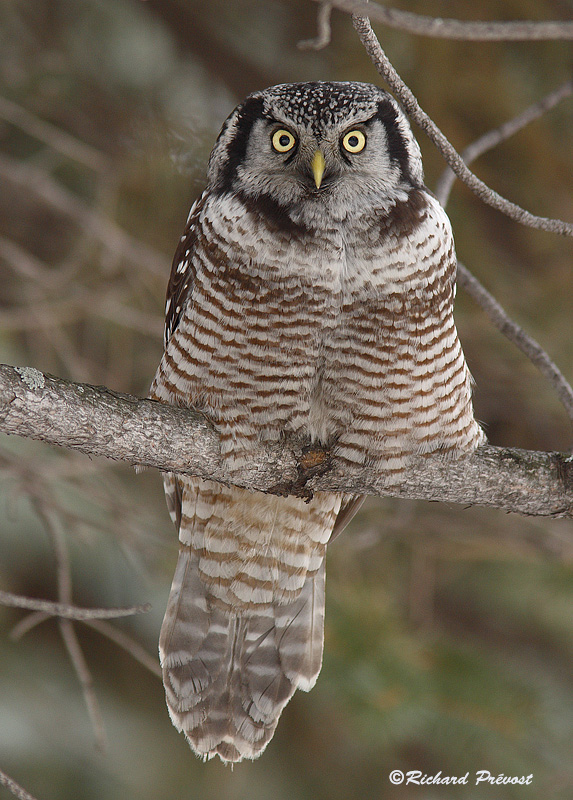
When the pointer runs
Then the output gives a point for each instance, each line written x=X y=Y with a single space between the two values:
x=350 y=505
x=182 y=275
x=179 y=290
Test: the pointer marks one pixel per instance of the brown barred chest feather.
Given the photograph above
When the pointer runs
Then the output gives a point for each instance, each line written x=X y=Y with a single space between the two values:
x=316 y=347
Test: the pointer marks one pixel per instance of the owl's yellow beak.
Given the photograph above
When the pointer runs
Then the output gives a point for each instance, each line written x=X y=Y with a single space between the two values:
x=318 y=164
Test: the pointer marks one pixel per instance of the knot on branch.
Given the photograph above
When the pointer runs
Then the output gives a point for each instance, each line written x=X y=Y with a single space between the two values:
x=311 y=461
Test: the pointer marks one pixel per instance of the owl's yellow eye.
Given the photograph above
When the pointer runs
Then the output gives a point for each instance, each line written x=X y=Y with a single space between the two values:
x=354 y=141
x=283 y=141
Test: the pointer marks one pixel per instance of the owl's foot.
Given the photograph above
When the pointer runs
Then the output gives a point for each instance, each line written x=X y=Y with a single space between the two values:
x=313 y=460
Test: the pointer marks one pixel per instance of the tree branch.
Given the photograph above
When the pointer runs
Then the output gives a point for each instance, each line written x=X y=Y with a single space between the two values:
x=453 y=158
x=56 y=138
x=97 y=421
x=323 y=36
x=128 y=644
x=515 y=333
x=494 y=137
x=438 y=27
x=17 y=790
x=502 y=321
x=49 y=608
x=32 y=179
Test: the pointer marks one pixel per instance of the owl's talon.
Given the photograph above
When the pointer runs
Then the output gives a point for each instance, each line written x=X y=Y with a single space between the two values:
x=313 y=461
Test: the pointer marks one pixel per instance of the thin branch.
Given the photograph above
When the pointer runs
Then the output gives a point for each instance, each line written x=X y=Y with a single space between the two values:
x=86 y=681
x=411 y=106
x=115 y=239
x=118 y=637
x=24 y=263
x=51 y=609
x=67 y=631
x=512 y=331
x=438 y=27
x=494 y=137
x=81 y=303
x=17 y=790
x=45 y=610
x=497 y=314
x=324 y=32
x=27 y=623
x=63 y=569
x=128 y=644
x=54 y=137
x=97 y=421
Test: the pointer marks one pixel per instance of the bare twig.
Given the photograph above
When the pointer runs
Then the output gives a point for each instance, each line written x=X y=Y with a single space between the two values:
x=64 y=578
x=17 y=790
x=120 y=638
x=411 y=106
x=458 y=166
x=51 y=609
x=27 y=623
x=521 y=31
x=494 y=137
x=53 y=136
x=323 y=30
x=472 y=285
x=80 y=304
x=86 y=681
x=148 y=433
x=128 y=644
x=67 y=631
x=115 y=239
x=517 y=335
x=24 y=263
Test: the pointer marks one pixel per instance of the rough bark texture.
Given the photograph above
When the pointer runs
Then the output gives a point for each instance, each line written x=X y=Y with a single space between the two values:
x=100 y=422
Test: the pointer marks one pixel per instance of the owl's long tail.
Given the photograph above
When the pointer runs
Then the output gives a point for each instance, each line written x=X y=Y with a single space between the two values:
x=228 y=675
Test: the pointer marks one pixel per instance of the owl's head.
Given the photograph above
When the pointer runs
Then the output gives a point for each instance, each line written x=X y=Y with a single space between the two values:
x=311 y=149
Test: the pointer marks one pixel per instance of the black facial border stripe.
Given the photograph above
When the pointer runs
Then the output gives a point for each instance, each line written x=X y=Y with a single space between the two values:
x=397 y=147
x=251 y=110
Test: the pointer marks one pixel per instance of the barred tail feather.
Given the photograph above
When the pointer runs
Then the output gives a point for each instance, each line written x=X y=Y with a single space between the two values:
x=229 y=675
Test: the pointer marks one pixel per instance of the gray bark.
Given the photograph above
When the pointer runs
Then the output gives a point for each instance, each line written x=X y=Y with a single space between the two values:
x=97 y=421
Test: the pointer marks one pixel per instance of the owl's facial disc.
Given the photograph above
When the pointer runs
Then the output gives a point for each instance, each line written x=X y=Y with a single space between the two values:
x=367 y=156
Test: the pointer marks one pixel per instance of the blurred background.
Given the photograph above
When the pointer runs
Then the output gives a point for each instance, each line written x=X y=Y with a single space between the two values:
x=449 y=631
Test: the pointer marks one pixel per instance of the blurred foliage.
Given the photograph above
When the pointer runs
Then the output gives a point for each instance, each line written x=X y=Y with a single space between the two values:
x=449 y=633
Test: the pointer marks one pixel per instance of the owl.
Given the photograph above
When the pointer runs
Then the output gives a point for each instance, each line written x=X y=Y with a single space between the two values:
x=311 y=295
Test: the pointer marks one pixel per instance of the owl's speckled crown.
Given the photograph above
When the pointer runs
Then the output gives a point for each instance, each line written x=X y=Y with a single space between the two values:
x=322 y=103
